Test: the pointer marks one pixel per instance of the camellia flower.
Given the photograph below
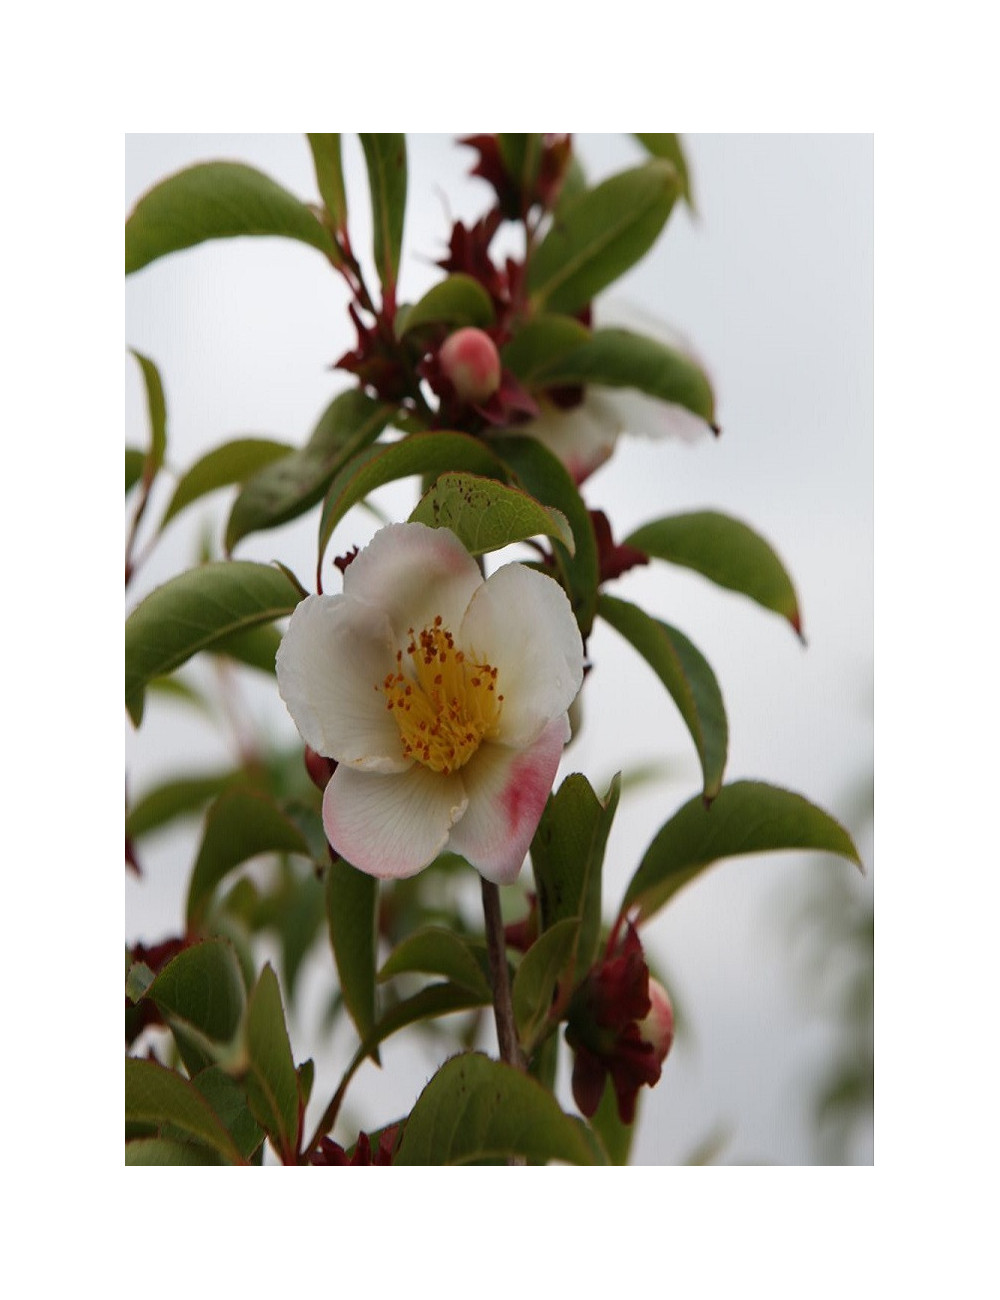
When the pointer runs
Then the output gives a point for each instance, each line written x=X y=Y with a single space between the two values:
x=443 y=698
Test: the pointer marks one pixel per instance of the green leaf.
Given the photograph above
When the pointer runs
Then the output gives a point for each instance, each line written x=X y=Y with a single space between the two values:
x=618 y=358
x=476 y=1108
x=202 y=987
x=421 y=453
x=726 y=551
x=746 y=817
x=157 y=407
x=193 y=612
x=567 y=857
x=240 y=825
x=669 y=147
x=256 y=647
x=545 y=478
x=486 y=515
x=616 y=1137
x=686 y=674
x=178 y=797
x=600 y=235
x=385 y=157
x=167 y=1151
x=156 y=1095
x=233 y=462
x=457 y=300
x=272 y=1084
x=351 y=912
x=289 y=487
x=546 y=962
x=216 y=200
x=229 y=1102
x=539 y=344
x=434 y=950
x=522 y=155
x=330 y=176
x=134 y=462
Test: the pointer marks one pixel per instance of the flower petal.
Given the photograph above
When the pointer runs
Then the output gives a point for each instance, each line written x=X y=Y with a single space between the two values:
x=507 y=790
x=521 y=622
x=391 y=826
x=638 y=413
x=582 y=437
x=329 y=664
x=414 y=573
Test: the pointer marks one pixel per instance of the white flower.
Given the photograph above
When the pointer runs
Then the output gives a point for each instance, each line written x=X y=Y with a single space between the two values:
x=443 y=698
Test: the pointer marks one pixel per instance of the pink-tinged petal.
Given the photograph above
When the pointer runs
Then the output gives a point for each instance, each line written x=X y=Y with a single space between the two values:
x=582 y=437
x=414 y=573
x=507 y=790
x=391 y=826
x=521 y=622
x=330 y=663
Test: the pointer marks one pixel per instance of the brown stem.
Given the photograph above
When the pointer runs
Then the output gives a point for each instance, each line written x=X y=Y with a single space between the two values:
x=503 y=1008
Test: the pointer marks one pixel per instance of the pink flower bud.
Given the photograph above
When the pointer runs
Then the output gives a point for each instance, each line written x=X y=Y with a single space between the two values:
x=657 y=1028
x=469 y=359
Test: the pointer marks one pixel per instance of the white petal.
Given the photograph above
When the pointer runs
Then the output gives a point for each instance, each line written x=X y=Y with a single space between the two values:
x=637 y=413
x=391 y=826
x=330 y=663
x=521 y=622
x=582 y=438
x=507 y=790
x=414 y=573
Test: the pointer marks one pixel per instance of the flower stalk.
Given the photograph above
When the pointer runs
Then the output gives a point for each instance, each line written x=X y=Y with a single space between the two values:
x=503 y=1007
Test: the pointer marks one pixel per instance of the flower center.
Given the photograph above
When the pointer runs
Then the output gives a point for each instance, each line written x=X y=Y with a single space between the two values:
x=444 y=702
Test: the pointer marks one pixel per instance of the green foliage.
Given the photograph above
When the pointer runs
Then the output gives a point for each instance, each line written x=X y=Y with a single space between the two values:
x=686 y=674
x=475 y=1109
x=726 y=551
x=330 y=176
x=434 y=950
x=549 y=960
x=456 y=300
x=600 y=235
x=201 y=995
x=351 y=910
x=216 y=200
x=271 y=1082
x=669 y=147
x=231 y=463
x=385 y=157
x=291 y=485
x=195 y=611
x=486 y=515
x=161 y=1097
x=746 y=817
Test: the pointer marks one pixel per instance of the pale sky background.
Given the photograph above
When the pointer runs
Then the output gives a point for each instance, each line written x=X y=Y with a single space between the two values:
x=772 y=284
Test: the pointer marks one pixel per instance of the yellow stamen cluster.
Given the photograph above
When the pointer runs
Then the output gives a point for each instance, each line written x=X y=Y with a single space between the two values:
x=444 y=702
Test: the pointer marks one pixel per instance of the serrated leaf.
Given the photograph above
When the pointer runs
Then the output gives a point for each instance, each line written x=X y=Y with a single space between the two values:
x=156 y=405
x=216 y=200
x=422 y=453
x=134 y=462
x=486 y=515
x=600 y=235
x=233 y=462
x=351 y=910
x=567 y=856
x=546 y=479
x=288 y=487
x=385 y=158
x=330 y=176
x=158 y=1096
x=727 y=552
x=272 y=1084
x=540 y=342
x=476 y=1108
x=456 y=300
x=433 y=950
x=618 y=358
x=193 y=612
x=686 y=674
x=746 y=817
x=545 y=963
x=669 y=147
x=240 y=825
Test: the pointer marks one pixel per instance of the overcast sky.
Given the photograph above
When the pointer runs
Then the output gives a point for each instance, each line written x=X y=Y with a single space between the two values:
x=772 y=284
